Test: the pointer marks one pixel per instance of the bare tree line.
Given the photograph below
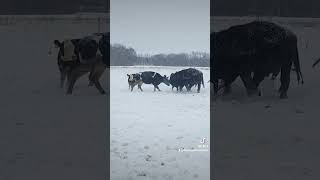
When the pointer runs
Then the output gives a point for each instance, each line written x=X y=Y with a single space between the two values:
x=121 y=55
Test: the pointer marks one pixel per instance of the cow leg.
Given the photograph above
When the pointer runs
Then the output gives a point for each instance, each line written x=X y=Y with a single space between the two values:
x=90 y=83
x=249 y=84
x=96 y=71
x=63 y=75
x=140 y=84
x=99 y=87
x=96 y=82
x=157 y=87
x=257 y=79
x=199 y=86
x=90 y=79
x=215 y=86
x=91 y=75
x=132 y=86
x=227 y=85
x=285 y=81
x=180 y=88
x=72 y=78
x=226 y=89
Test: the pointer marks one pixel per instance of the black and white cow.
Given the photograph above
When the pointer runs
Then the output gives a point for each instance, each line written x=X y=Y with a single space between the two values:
x=133 y=80
x=77 y=57
x=67 y=57
x=147 y=77
x=154 y=78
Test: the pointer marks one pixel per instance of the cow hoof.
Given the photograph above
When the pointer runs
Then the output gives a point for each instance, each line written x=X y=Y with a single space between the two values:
x=283 y=96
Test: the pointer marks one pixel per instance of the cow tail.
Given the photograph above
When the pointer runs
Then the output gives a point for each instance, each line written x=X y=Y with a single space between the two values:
x=297 y=65
x=315 y=63
x=202 y=81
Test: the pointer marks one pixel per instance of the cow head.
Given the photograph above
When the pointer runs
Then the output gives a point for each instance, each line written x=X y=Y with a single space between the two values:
x=165 y=80
x=130 y=77
x=171 y=76
x=67 y=49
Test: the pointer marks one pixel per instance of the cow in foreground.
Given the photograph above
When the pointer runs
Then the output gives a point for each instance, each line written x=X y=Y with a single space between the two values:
x=77 y=57
x=259 y=48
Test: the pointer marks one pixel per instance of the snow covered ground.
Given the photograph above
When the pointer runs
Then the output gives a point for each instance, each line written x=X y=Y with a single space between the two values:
x=148 y=128
x=267 y=138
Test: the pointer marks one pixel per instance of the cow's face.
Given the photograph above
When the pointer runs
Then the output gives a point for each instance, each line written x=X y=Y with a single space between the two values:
x=171 y=76
x=59 y=45
x=166 y=80
x=130 y=77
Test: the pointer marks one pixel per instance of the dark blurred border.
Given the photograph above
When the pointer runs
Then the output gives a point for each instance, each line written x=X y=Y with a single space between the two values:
x=30 y=140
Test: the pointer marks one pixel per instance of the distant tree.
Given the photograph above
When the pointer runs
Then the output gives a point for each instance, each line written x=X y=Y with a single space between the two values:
x=125 y=56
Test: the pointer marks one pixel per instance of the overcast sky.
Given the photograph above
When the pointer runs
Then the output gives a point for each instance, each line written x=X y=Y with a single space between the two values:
x=161 y=26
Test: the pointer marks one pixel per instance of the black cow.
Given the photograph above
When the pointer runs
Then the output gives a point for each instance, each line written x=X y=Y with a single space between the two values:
x=77 y=57
x=259 y=48
x=133 y=80
x=175 y=81
x=188 y=78
x=149 y=77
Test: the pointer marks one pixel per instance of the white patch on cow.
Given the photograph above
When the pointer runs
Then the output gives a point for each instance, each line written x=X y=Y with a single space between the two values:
x=68 y=50
x=130 y=77
x=154 y=75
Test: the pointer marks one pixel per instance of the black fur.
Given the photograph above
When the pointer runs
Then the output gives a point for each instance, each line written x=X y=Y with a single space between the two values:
x=188 y=78
x=259 y=48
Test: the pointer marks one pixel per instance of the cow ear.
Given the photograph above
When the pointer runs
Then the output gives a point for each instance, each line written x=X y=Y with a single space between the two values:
x=57 y=43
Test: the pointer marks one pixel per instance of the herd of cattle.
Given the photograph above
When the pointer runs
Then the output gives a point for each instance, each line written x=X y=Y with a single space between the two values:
x=251 y=51
x=77 y=57
x=185 y=78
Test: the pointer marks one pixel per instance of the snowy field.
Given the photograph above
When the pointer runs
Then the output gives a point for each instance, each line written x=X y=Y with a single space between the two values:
x=148 y=128
x=42 y=131
x=265 y=137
